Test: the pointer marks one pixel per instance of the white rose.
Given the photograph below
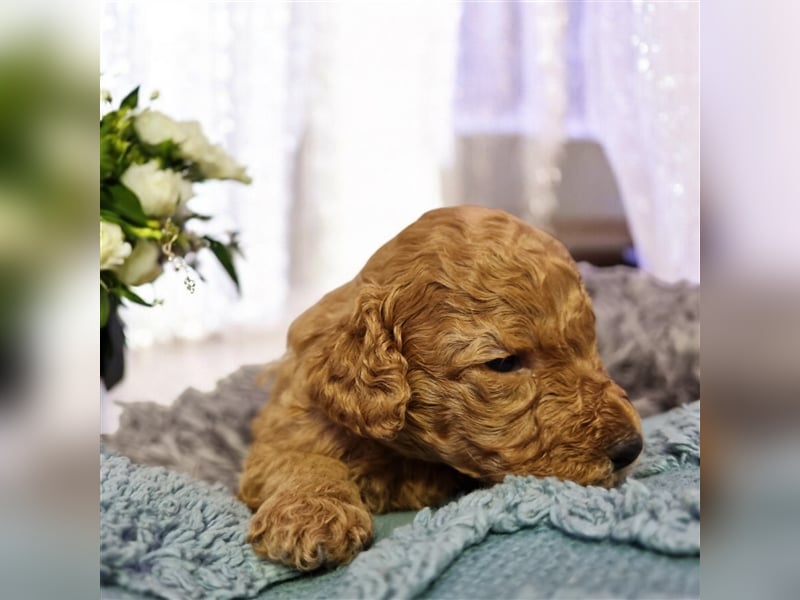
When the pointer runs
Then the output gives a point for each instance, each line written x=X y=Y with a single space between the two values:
x=193 y=142
x=142 y=266
x=154 y=127
x=212 y=159
x=160 y=191
x=113 y=247
x=223 y=166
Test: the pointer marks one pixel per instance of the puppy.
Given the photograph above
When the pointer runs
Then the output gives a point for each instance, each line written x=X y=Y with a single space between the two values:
x=464 y=351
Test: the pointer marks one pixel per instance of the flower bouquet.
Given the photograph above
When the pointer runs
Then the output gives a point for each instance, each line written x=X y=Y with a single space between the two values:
x=148 y=165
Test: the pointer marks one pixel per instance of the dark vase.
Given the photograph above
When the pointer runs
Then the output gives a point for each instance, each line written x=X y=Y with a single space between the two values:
x=112 y=347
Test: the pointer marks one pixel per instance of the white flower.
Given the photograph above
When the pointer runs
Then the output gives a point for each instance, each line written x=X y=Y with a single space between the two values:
x=154 y=127
x=160 y=191
x=212 y=159
x=142 y=266
x=222 y=166
x=113 y=247
x=193 y=141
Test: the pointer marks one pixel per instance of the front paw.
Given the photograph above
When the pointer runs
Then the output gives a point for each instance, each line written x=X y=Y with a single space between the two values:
x=309 y=533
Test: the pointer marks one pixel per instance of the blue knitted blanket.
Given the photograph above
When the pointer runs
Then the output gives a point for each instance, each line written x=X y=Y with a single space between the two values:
x=168 y=535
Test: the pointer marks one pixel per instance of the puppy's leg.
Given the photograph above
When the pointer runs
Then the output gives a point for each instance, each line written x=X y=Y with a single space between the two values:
x=308 y=511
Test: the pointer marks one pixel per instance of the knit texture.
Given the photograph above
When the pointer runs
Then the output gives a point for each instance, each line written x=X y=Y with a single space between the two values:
x=168 y=535
x=665 y=520
x=648 y=335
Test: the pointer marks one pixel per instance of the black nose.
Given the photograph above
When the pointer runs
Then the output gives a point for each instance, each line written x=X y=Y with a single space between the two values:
x=625 y=452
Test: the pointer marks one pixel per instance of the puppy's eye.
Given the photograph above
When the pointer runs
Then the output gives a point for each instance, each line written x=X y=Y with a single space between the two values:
x=505 y=365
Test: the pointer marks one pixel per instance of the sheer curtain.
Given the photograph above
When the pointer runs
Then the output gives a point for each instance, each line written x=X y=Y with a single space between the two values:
x=376 y=81
x=622 y=73
x=347 y=115
x=513 y=82
x=641 y=90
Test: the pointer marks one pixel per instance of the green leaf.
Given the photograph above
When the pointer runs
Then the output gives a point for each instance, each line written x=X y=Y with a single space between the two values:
x=132 y=232
x=107 y=166
x=125 y=203
x=124 y=291
x=198 y=217
x=108 y=123
x=111 y=217
x=168 y=151
x=108 y=161
x=131 y=100
x=223 y=255
x=105 y=306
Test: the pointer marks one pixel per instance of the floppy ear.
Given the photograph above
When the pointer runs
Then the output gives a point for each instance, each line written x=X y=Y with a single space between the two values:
x=357 y=374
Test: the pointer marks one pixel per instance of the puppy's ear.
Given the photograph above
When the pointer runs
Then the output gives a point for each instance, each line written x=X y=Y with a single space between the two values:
x=357 y=372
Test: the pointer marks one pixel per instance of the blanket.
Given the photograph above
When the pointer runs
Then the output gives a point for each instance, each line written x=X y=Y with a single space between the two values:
x=176 y=530
x=167 y=534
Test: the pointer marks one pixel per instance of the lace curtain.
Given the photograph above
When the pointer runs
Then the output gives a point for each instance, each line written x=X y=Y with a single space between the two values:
x=622 y=73
x=346 y=115
x=641 y=89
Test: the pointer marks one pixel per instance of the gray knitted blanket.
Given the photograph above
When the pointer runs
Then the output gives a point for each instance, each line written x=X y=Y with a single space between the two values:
x=648 y=334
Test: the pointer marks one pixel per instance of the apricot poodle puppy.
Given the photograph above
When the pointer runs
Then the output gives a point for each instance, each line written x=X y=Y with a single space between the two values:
x=464 y=351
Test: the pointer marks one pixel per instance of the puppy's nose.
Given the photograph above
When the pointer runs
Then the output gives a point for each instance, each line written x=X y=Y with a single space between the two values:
x=625 y=452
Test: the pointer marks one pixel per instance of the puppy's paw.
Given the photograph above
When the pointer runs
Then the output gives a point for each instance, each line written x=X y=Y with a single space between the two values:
x=310 y=533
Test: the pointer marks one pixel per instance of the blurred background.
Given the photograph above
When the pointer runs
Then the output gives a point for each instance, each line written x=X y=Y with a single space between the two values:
x=354 y=118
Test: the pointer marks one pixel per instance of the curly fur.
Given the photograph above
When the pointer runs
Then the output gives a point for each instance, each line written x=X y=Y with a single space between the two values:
x=385 y=399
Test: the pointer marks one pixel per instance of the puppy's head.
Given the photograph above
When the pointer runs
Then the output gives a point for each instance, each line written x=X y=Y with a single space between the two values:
x=472 y=343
